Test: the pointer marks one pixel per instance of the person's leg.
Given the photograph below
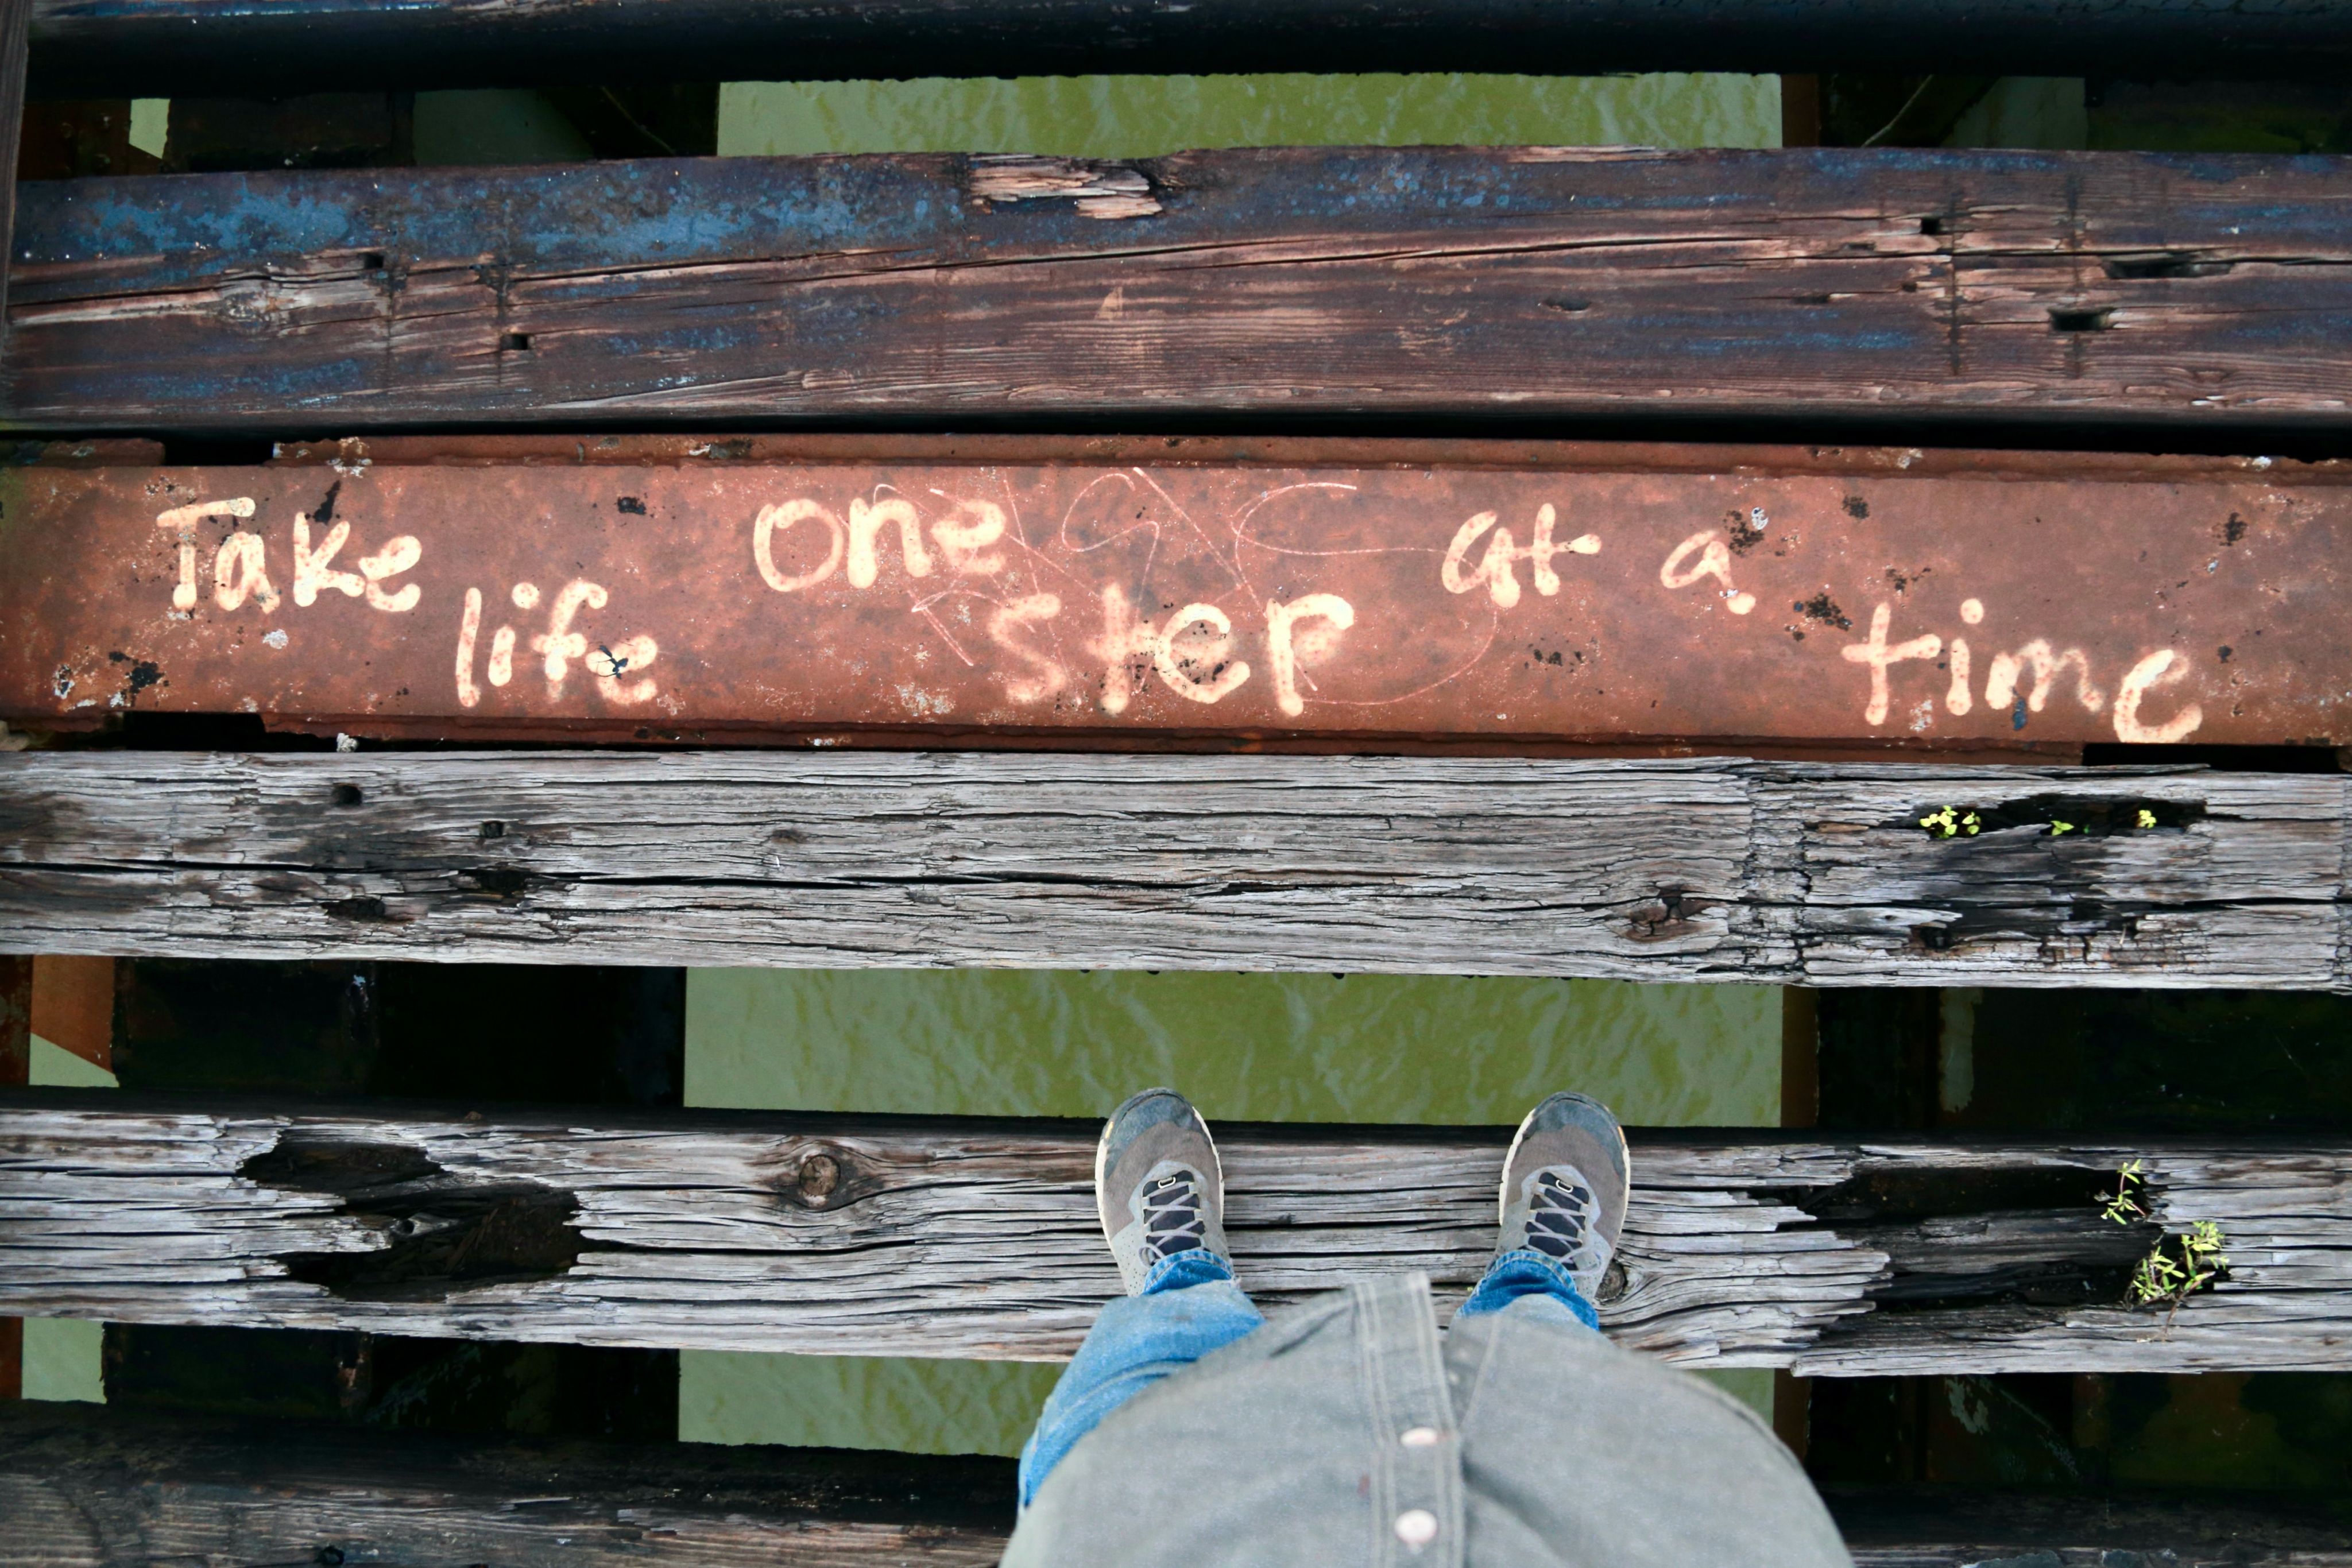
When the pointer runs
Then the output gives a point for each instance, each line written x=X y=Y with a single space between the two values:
x=1194 y=1308
x=1525 y=1284
x=1566 y=1182
x=1161 y=1192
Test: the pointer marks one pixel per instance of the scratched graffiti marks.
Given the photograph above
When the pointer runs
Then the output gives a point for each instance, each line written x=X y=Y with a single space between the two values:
x=1148 y=598
x=1184 y=598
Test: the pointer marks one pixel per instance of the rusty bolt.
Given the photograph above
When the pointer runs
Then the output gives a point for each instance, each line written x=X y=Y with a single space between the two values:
x=820 y=1174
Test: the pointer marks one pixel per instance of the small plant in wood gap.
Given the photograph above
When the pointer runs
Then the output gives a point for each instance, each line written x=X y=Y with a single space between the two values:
x=2124 y=1207
x=2057 y=827
x=2161 y=1276
x=1950 y=823
x=2146 y=818
x=2180 y=1266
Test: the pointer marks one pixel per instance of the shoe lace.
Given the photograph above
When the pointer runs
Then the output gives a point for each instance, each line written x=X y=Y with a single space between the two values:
x=1173 y=1220
x=1560 y=1215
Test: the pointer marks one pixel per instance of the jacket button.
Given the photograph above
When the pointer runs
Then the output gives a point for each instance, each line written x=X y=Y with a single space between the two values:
x=1416 y=1527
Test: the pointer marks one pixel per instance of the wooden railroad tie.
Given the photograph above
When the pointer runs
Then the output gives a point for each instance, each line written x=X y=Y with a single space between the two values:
x=1643 y=870
x=85 y=1488
x=845 y=1235
x=2087 y=290
x=1689 y=869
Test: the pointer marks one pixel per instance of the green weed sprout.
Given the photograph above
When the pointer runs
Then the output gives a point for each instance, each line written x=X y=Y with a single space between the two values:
x=1949 y=823
x=2124 y=1207
x=2162 y=1276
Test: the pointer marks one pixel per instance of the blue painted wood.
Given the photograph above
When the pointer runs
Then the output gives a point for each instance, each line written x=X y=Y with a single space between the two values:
x=1407 y=284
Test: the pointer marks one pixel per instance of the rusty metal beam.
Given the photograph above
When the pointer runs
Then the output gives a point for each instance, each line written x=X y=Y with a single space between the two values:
x=672 y=588
x=72 y=1006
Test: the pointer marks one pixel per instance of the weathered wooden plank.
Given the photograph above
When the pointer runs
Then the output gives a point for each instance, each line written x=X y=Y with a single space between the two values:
x=1521 y=283
x=860 y=1235
x=1464 y=591
x=95 y=1488
x=118 y=48
x=1694 y=870
x=1929 y=1527
x=15 y=1065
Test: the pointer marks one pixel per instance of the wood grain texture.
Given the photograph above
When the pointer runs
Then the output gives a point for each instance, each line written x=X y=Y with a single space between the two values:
x=1691 y=870
x=863 y=1237
x=16 y=1069
x=1525 y=283
x=94 y=1487
x=119 y=48
x=84 y=1488
x=1932 y=1527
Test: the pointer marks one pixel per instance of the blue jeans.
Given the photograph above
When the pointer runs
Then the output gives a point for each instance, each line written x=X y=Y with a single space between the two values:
x=1190 y=1306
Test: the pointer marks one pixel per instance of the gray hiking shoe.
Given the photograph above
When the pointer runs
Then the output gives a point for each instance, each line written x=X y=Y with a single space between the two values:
x=1157 y=1184
x=1564 y=1184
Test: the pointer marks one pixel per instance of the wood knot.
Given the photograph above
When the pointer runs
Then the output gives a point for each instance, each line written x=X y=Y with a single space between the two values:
x=819 y=1175
x=1671 y=915
x=825 y=1178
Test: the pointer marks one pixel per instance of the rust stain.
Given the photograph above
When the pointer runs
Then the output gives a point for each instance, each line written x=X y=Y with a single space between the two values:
x=1494 y=592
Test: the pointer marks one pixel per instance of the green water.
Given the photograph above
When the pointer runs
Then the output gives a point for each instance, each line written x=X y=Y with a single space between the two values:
x=1274 y=1048
x=1293 y=1047
x=1139 y=116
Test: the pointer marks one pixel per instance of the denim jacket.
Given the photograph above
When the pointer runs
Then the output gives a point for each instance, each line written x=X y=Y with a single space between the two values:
x=1347 y=1431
